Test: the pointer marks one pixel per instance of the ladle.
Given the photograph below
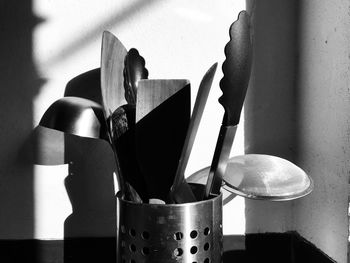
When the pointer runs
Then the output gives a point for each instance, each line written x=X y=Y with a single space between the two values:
x=76 y=116
x=85 y=118
x=263 y=177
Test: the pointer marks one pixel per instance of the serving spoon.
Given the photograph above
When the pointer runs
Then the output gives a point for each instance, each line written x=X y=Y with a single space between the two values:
x=261 y=177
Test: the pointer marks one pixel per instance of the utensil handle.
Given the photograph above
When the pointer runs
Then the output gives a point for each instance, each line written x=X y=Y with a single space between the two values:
x=126 y=190
x=220 y=158
x=180 y=191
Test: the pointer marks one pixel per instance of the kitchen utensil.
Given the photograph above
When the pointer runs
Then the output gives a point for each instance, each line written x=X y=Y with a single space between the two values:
x=201 y=177
x=260 y=176
x=81 y=117
x=123 y=120
x=112 y=64
x=124 y=140
x=162 y=117
x=87 y=85
x=234 y=84
x=180 y=191
x=76 y=116
x=158 y=233
x=134 y=70
x=69 y=115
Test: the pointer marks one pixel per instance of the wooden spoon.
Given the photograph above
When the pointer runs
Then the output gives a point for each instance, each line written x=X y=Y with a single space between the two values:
x=112 y=64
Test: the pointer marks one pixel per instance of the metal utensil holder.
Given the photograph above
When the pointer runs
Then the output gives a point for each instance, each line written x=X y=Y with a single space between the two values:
x=190 y=232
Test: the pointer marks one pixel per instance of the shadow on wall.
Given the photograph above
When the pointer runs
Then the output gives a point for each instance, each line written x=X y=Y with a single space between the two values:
x=271 y=110
x=91 y=191
x=89 y=183
x=19 y=84
x=89 y=186
x=271 y=99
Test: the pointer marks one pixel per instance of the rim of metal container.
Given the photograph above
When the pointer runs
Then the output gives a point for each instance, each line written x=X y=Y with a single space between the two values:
x=212 y=199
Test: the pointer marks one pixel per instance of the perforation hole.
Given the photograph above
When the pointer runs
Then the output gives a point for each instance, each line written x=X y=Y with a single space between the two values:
x=132 y=248
x=122 y=229
x=206 y=246
x=207 y=231
x=145 y=235
x=132 y=232
x=194 y=250
x=178 y=252
x=207 y=260
x=193 y=234
x=178 y=236
x=145 y=251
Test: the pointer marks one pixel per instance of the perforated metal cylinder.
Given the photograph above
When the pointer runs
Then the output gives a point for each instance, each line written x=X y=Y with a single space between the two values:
x=189 y=232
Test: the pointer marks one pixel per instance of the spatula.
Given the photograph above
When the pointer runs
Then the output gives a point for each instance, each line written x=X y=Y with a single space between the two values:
x=113 y=54
x=234 y=84
x=180 y=191
x=162 y=117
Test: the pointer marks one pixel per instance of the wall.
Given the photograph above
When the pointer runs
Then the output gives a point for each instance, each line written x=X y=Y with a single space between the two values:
x=324 y=124
x=46 y=44
x=19 y=84
x=299 y=107
x=270 y=103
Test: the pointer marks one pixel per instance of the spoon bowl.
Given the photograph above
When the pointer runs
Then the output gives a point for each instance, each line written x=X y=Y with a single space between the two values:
x=74 y=115
x=263 y=177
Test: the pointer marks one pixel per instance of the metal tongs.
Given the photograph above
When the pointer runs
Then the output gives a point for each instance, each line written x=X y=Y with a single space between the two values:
x=234 y=84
